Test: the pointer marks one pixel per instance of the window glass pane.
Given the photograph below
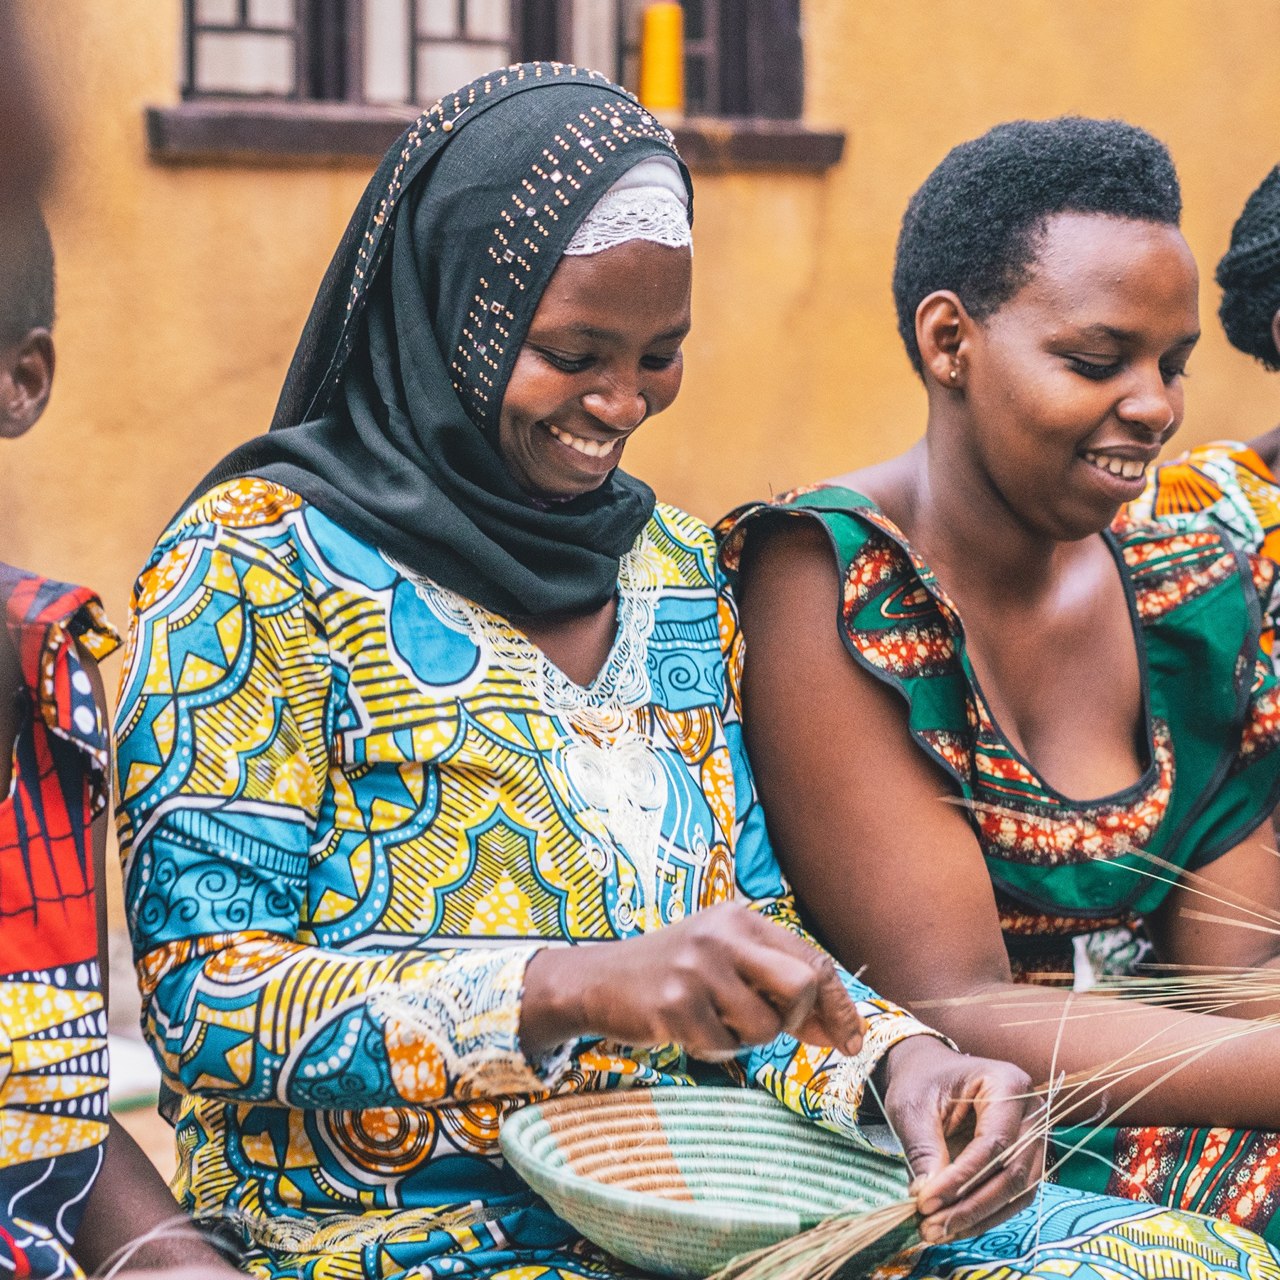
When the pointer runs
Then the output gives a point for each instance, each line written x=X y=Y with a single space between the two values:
x=244 y=64
x=695 y=20
x=271 y=13
x=445 y=67
x=489 y=19
x=438 y=18
x=595 y=35
x=217 y=13
x=695 y=85
x=386 y=50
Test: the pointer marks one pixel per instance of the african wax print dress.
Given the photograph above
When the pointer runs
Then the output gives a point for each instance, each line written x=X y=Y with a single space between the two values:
x=1073 y=878
x=1226 y=481
x=352 y=806
x=53 y=1024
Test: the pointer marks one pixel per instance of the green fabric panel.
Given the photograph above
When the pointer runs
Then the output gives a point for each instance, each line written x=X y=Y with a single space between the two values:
x=1086 y=1169
x=1085 y=888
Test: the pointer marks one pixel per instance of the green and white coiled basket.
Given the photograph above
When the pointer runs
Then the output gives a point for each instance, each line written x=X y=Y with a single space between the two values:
x=679 y=1181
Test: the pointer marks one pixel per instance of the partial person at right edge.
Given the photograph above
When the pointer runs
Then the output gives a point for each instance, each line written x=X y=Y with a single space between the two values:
x=1006 y=640
x=1233 y=481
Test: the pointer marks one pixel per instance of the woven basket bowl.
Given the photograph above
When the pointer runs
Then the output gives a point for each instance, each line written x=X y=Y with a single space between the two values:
x=680 y=1180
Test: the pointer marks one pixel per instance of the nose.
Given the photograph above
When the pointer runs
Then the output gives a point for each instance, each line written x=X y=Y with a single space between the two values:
x=618 y=408
x=1150 y=404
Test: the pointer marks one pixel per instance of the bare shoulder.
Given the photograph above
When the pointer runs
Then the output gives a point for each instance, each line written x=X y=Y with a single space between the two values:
x=786 y=559
x=1267 y=447
x=891 y=485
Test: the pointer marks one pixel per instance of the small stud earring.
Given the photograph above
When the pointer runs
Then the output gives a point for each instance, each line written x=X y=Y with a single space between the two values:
x=955 y=373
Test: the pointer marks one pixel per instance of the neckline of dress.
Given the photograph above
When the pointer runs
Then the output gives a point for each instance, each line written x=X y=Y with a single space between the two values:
x=623 y=675
x=950 y=611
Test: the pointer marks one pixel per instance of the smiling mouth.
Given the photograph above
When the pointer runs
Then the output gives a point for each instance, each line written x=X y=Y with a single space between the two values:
x=589 y=448
x=1124 y=468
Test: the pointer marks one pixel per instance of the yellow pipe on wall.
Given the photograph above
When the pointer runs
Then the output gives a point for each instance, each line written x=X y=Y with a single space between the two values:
x=662 y=59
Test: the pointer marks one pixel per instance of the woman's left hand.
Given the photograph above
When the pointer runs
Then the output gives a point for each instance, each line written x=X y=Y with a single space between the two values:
x=956 y=1117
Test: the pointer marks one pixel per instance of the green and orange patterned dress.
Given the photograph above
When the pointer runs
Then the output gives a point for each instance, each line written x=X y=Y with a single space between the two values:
x=1073 y=878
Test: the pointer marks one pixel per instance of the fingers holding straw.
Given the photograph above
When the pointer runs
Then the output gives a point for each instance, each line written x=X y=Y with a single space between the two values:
x=972 y=1131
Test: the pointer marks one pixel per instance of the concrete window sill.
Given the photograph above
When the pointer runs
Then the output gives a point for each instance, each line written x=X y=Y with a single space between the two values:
x=239 y=131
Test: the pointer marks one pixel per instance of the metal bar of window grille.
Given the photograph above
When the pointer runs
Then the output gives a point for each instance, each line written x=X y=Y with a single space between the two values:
x=733 y=82
x=546 y=28
x=189 y=16
x=327 y=50
x=354 y=79
x=302 y=17
x=412 y=8
x=219 y=29
x=620 y=40
x=564 y=30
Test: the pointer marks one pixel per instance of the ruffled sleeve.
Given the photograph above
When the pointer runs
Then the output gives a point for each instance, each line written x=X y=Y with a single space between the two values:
x=47 y=622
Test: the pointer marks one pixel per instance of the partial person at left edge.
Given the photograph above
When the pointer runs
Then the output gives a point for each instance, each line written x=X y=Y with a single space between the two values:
x=75 y=1190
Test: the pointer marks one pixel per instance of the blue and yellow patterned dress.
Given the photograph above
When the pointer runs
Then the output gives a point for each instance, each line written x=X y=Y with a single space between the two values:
x=353 y=805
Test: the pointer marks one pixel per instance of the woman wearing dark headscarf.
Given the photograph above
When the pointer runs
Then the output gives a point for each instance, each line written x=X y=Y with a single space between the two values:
x=420 y=685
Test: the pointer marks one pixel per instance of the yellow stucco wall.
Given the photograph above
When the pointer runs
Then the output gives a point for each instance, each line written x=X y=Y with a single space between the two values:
x=182 y=289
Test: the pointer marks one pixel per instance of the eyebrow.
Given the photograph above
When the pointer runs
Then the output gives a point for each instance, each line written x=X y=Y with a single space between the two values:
x=1127 y=335
x=607 y=335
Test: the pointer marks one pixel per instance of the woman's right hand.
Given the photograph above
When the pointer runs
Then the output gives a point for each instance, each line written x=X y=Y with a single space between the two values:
x=718 y=981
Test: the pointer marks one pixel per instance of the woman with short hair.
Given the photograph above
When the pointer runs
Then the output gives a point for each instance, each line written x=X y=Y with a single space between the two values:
x=1040 y=741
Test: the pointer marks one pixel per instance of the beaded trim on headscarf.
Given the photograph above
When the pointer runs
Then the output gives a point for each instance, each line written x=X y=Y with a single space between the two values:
x=545 y=193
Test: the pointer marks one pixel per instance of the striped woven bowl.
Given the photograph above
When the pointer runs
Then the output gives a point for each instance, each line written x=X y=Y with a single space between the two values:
x=679 y=1181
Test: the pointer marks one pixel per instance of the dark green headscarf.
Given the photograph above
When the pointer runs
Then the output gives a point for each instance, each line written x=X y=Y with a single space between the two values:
x=388 y=419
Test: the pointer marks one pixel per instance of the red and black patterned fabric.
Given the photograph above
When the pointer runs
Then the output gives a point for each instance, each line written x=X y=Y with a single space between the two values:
x=53 y=1048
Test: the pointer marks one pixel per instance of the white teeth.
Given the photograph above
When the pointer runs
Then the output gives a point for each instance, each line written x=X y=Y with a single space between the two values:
x=1126 y=467
x=592 y=448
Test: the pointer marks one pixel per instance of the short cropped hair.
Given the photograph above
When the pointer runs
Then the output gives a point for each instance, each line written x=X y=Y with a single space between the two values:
x=973 y=225
x=26 y=272
x=1249 y=274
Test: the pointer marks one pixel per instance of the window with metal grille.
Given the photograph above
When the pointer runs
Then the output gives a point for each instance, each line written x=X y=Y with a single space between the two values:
x=377 y=51
x=741 y=57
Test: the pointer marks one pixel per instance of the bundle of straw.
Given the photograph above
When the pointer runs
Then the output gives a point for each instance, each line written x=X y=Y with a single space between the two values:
x=817 y=1254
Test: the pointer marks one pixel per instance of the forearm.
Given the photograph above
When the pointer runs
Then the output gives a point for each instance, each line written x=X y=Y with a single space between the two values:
x=820 y=1082
x=128 y=1201
x=259 y=1018
x=1200 y=1070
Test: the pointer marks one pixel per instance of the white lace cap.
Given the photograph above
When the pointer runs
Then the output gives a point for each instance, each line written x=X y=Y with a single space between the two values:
x=647 y=203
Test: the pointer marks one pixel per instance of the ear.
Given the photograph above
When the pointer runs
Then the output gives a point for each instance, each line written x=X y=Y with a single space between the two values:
x=26 y=378
x=1275 y=331
x=943 y=328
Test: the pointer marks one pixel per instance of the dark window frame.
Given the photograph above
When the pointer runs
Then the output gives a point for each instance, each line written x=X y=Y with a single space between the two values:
x=743 y=59
x=334 y=71
x=236 y=128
